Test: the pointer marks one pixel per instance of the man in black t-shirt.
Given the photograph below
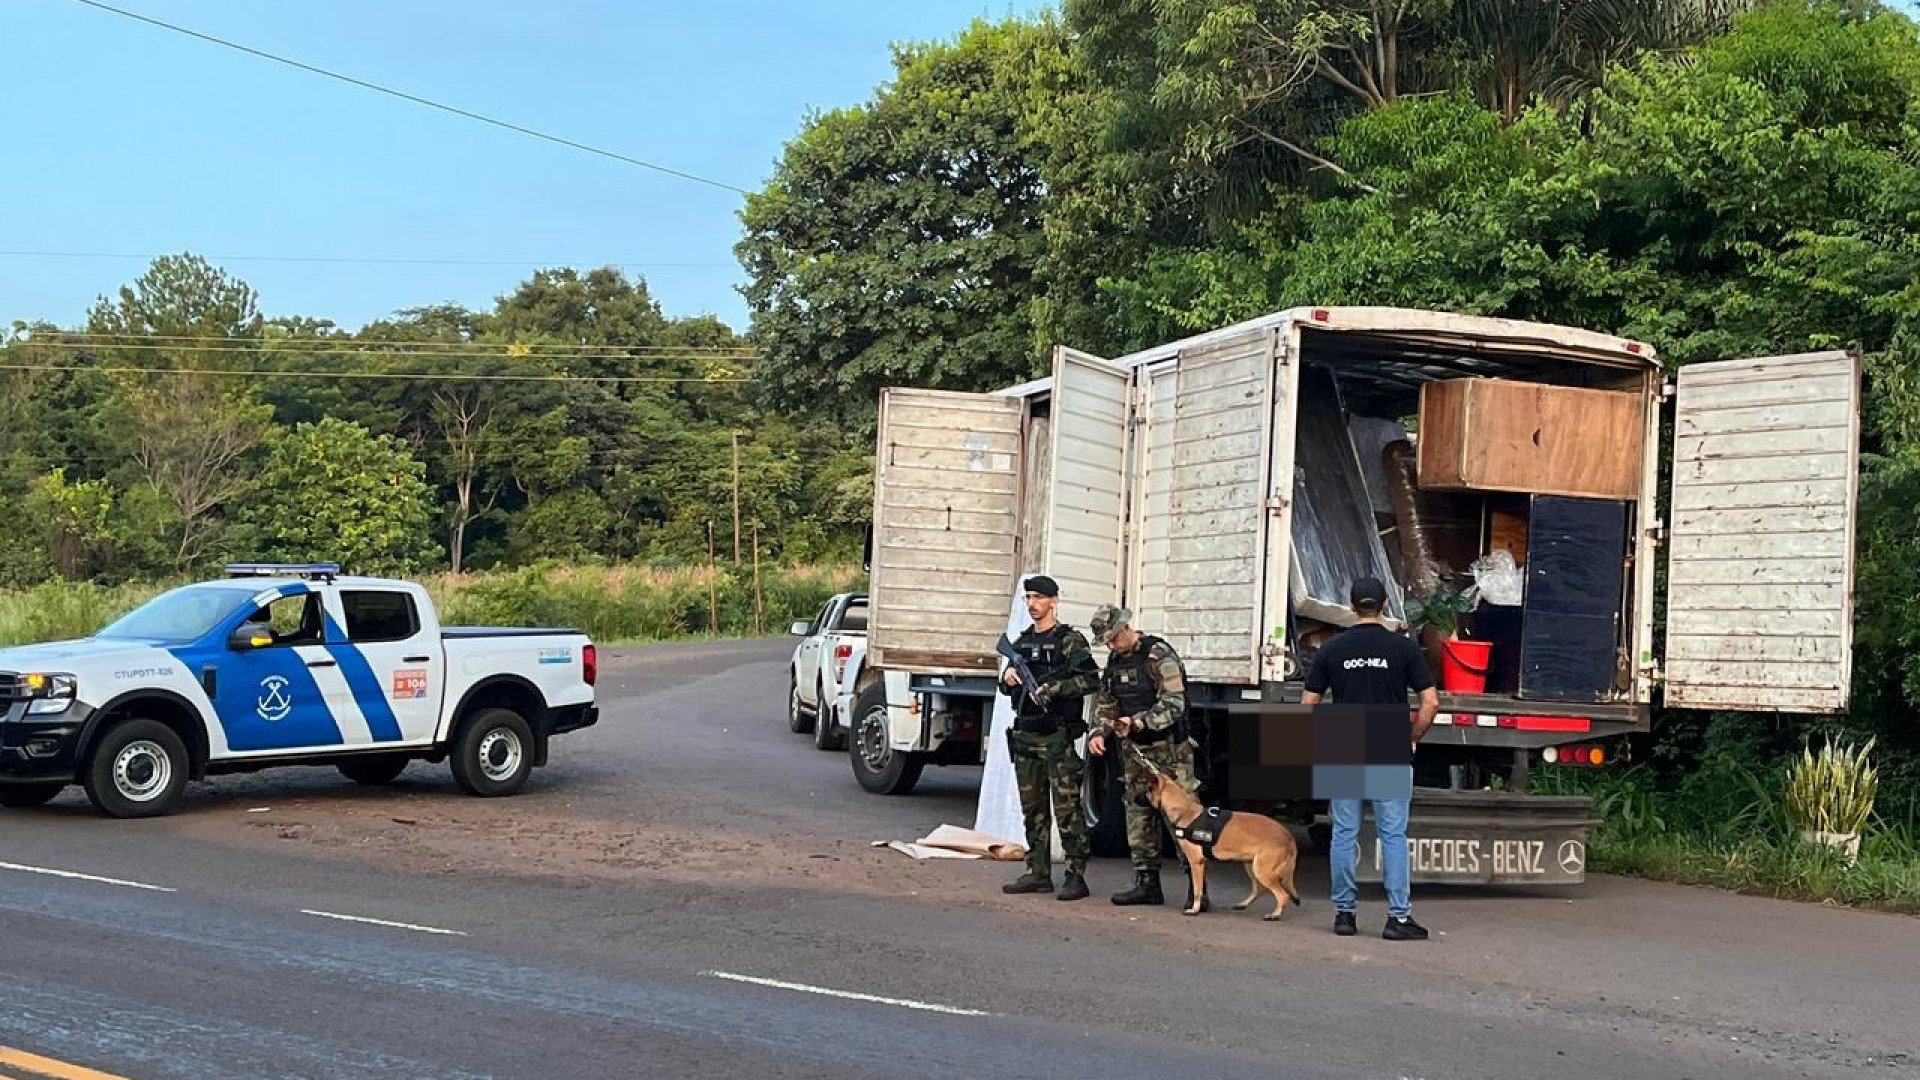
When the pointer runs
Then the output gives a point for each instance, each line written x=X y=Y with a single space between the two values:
x=1368 y=664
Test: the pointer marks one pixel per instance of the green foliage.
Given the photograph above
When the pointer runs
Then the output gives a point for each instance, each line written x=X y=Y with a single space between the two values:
x=1832 y=792
x=332 y=491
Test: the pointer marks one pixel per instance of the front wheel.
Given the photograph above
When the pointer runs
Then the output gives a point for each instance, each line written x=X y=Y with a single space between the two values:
x=493 y=754
x=138 y=769
x=826 y=735
x=24 y=796
x=797 y=719
x=879 y=768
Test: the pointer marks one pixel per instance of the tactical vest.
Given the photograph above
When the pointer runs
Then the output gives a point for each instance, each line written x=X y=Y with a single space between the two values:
x=1129 y=678
x=1042 y=652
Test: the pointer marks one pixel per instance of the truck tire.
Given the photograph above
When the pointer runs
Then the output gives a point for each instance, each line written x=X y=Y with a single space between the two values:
x=375 y=770
x=493 y=754
x=25 y=796
x=137 y=769
x=826 y=736
x=879 y=768
x=797 y=719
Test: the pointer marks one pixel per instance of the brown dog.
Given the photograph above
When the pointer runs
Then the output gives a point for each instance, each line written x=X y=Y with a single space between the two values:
x=1265 y=845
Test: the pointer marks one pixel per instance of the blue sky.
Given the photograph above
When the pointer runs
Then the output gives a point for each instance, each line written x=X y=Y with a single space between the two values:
x=125 y=139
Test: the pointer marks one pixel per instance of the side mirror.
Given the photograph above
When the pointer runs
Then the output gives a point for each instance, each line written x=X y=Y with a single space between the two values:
x=245 y=637
x=800 y=629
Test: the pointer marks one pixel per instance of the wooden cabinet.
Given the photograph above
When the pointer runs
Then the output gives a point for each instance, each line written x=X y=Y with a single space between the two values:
x=1503 y=435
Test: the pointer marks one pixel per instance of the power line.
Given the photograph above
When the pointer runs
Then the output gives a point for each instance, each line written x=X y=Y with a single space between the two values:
x=390 y=355
x=109 y=339
x=359 y=259
x=422 y=376
x=411 y=97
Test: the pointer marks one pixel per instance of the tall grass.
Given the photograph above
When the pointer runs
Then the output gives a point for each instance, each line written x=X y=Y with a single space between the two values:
x=1731 y=827
x=613 y=604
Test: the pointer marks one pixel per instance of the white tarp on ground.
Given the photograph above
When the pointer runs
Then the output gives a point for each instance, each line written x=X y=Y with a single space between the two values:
x=954 y=842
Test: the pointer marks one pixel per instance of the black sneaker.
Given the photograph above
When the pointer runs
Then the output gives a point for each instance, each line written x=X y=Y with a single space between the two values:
x=1404 y=930
x=1343 y=924
x=1027 y=883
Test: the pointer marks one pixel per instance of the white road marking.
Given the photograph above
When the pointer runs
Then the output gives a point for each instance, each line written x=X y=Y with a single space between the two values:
x=904 y=1003
x=84 y=877
x=383 y=922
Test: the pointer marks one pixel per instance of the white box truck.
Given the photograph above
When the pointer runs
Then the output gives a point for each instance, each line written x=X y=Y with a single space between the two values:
x=1227 y=486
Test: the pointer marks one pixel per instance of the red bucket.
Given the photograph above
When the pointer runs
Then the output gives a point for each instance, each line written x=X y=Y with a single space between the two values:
x=1463 y=666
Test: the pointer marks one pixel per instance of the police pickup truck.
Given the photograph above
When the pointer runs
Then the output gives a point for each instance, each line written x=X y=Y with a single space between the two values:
x=284 y=664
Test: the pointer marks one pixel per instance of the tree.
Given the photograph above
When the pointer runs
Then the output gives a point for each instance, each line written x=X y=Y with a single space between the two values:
x=332 y=491
x=185 y=428
x=898 y=240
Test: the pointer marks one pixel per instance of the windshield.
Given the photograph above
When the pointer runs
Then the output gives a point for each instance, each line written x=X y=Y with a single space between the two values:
x=180 y=616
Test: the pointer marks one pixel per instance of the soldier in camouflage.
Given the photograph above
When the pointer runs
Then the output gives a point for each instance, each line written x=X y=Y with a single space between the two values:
x=1045 y=764
x=1143 y=701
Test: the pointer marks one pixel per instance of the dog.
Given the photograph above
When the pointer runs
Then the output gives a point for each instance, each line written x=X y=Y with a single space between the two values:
x=1265 y=845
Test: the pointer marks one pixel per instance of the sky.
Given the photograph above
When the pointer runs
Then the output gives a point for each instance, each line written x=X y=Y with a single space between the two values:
x=126 y=140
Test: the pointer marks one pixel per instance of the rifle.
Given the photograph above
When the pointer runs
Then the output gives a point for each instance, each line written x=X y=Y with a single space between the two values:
x=1019 y=663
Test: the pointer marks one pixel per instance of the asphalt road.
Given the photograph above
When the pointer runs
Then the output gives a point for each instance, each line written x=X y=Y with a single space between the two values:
x=690 y=890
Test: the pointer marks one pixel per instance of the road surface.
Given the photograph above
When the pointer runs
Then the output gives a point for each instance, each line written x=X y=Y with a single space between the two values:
x=690 y=890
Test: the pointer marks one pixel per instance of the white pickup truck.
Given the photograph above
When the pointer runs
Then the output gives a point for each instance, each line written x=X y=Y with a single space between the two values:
x=284 y=664
x=825 y=665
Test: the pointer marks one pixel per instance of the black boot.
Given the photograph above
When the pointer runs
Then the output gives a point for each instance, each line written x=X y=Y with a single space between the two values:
x=1146 y=890
x=1029 y=882
x=1073 y=888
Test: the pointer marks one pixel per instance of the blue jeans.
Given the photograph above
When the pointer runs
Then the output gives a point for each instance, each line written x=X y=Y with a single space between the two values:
x=1390 y=823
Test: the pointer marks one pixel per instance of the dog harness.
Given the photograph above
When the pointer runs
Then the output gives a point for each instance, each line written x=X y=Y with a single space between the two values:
x=1205 y=829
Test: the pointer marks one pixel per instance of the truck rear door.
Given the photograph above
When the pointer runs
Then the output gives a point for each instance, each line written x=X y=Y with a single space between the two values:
x=1221 y=490
x=1087 y=485
x=1760 y=563
x=947 y=493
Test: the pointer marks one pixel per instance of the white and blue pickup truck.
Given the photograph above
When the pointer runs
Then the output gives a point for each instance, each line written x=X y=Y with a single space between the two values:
x=284 y=664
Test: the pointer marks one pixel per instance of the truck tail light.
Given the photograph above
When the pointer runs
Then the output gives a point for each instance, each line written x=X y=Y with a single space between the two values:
x=841 y=654
x=1574 y=755
x=589 y=664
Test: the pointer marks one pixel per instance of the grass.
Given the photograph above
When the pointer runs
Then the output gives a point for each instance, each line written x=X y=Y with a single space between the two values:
x=620 y=604
x=1730 y=828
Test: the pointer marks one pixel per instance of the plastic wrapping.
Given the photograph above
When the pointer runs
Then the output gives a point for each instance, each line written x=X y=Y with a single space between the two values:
x=1498 y=579
x=1335 y=539
x=1416 y=553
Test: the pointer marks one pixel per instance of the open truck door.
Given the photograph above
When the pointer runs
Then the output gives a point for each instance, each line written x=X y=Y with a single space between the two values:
x=1760 y=562
x=1228 y=484
x=1086 y=496
x=946 y=515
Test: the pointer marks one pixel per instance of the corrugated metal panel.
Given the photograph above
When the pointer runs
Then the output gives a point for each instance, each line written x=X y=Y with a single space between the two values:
x=1087 y=485
x=1760 y=567
x=1153 y=501
x=1217 y=534
x=946 y=512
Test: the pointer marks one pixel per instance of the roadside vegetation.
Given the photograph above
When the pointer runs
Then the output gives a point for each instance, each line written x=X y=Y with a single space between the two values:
x=613 y=604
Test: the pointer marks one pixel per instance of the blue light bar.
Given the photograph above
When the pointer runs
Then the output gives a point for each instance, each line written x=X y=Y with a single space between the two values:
x=317 y=570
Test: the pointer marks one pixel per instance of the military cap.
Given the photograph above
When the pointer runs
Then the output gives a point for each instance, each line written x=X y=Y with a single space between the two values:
x=1108 y=621
x=1044 y=585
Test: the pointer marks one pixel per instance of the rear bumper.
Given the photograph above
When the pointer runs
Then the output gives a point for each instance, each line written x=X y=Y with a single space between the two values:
x=574 y=717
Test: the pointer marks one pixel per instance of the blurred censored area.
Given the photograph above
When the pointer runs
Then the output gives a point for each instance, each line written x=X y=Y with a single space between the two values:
x=1282 y=752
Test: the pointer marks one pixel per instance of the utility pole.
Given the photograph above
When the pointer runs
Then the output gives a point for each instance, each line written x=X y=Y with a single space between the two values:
x=736 y=497
x=713 y=571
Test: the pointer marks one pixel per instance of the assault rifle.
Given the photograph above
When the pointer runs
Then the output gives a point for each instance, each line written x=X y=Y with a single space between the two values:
x=1019 y=663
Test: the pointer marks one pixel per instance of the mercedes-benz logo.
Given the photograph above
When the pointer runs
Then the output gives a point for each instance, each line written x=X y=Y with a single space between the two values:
x=1573 y=856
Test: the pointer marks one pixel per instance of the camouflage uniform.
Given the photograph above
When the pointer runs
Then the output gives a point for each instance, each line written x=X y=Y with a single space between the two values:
x=1148 y=683
x=1048 y=770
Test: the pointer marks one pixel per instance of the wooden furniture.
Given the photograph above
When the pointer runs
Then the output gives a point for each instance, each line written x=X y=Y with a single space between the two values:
x=1503 y=435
